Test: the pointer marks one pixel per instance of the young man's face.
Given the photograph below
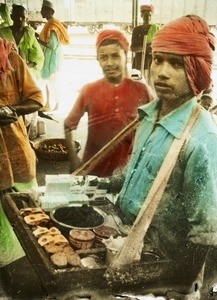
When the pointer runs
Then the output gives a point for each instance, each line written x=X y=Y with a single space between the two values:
x=112 y=59
x=169 y=78
x=146 y=16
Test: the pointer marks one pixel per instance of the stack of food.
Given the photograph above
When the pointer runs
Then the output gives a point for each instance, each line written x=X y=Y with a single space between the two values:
x=53 y=242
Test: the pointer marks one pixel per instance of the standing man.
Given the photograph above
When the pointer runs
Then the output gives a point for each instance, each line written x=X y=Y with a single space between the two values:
x=29 y=49
x=19 y=96
x=24 y=39
x=111 y=104
x=147 y=30
x=184 y=226
x=52 y=36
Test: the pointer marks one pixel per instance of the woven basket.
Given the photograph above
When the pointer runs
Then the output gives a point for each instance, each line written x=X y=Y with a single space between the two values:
x=53 y=149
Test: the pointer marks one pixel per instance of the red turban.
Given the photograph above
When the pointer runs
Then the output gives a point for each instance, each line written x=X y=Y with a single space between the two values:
x=189 y=36
x=110 y=34
x=147 y=8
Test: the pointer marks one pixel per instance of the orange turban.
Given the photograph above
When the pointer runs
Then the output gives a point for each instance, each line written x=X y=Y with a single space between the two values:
x=189 y=36
x=110 y=34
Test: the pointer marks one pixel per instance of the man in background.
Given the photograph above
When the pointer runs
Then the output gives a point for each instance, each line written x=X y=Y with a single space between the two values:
x=26 y=44
x=52 y=37
x=141 y=46
x=111 y=104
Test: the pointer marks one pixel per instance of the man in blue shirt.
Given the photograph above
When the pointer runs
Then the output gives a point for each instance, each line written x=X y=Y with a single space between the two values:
x=185 y=223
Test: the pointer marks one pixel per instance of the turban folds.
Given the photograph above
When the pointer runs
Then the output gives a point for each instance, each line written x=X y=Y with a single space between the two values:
x=110 y=34
x=190 y=37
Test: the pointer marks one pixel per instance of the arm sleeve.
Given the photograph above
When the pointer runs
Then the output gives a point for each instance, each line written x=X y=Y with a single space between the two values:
x=36 y=54
x=28 y=88
x=200 y=191
x=78 y=110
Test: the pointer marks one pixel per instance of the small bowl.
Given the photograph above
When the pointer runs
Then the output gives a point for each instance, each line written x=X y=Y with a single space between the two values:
x=77 y=216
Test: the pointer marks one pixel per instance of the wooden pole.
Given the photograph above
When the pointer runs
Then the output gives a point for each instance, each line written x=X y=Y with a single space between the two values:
x=87 y=167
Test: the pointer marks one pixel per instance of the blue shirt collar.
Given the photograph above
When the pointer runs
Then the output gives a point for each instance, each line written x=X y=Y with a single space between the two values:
x=174 y=122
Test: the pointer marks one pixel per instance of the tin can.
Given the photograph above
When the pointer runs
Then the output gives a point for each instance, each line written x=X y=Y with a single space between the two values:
x=103 y=232
x=81 y=238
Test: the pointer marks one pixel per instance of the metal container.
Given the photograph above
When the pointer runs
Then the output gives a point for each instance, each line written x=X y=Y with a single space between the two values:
x=81 y=238
x=103 y=232
x=77 y=216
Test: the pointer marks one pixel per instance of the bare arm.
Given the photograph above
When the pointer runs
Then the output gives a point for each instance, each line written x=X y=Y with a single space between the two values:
x=74 y=160
x=27 y=107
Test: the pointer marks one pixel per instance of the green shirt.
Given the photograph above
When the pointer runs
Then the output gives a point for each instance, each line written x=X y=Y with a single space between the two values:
x=28 y=47
x=188 y=208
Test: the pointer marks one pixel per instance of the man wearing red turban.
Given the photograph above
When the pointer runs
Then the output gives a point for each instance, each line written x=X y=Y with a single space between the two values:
x=111 y=104
x=184 y=226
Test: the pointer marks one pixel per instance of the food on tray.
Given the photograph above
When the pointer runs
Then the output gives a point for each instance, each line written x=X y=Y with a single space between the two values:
x=54 y=231
x=45 y=239
x=56 y=239
x=55 y=148
x=36 y=219
x=52 y=248
x=30 y=210
x=40 y=231
x=59 y=259
x=73 y=258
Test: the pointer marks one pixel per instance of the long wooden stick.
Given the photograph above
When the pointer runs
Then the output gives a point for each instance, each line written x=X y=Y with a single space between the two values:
x=87 y=167
x=134 y=240
x=143 y=55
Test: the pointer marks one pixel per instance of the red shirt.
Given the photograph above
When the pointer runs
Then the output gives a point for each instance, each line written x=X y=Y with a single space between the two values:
x=110 y=108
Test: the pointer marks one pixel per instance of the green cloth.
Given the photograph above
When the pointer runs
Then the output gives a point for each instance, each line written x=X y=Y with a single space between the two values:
x=53 y=56
x=10 y=247
x=188 y=209
x=5 y=15
x=28 y=48
x=151 y=32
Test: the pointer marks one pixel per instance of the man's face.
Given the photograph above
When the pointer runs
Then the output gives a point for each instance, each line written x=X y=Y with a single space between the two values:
x=112 y=60
x=146 y=15
x=45 y=12
x=169 y=78
x=19 y=17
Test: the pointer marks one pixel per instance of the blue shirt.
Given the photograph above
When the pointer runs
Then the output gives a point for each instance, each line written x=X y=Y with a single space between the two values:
x=188 y=208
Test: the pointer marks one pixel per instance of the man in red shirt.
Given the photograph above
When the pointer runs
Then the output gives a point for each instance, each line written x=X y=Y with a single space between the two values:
x=111 y=104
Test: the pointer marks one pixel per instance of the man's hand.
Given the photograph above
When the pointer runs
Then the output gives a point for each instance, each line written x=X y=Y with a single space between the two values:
x=7 y=116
